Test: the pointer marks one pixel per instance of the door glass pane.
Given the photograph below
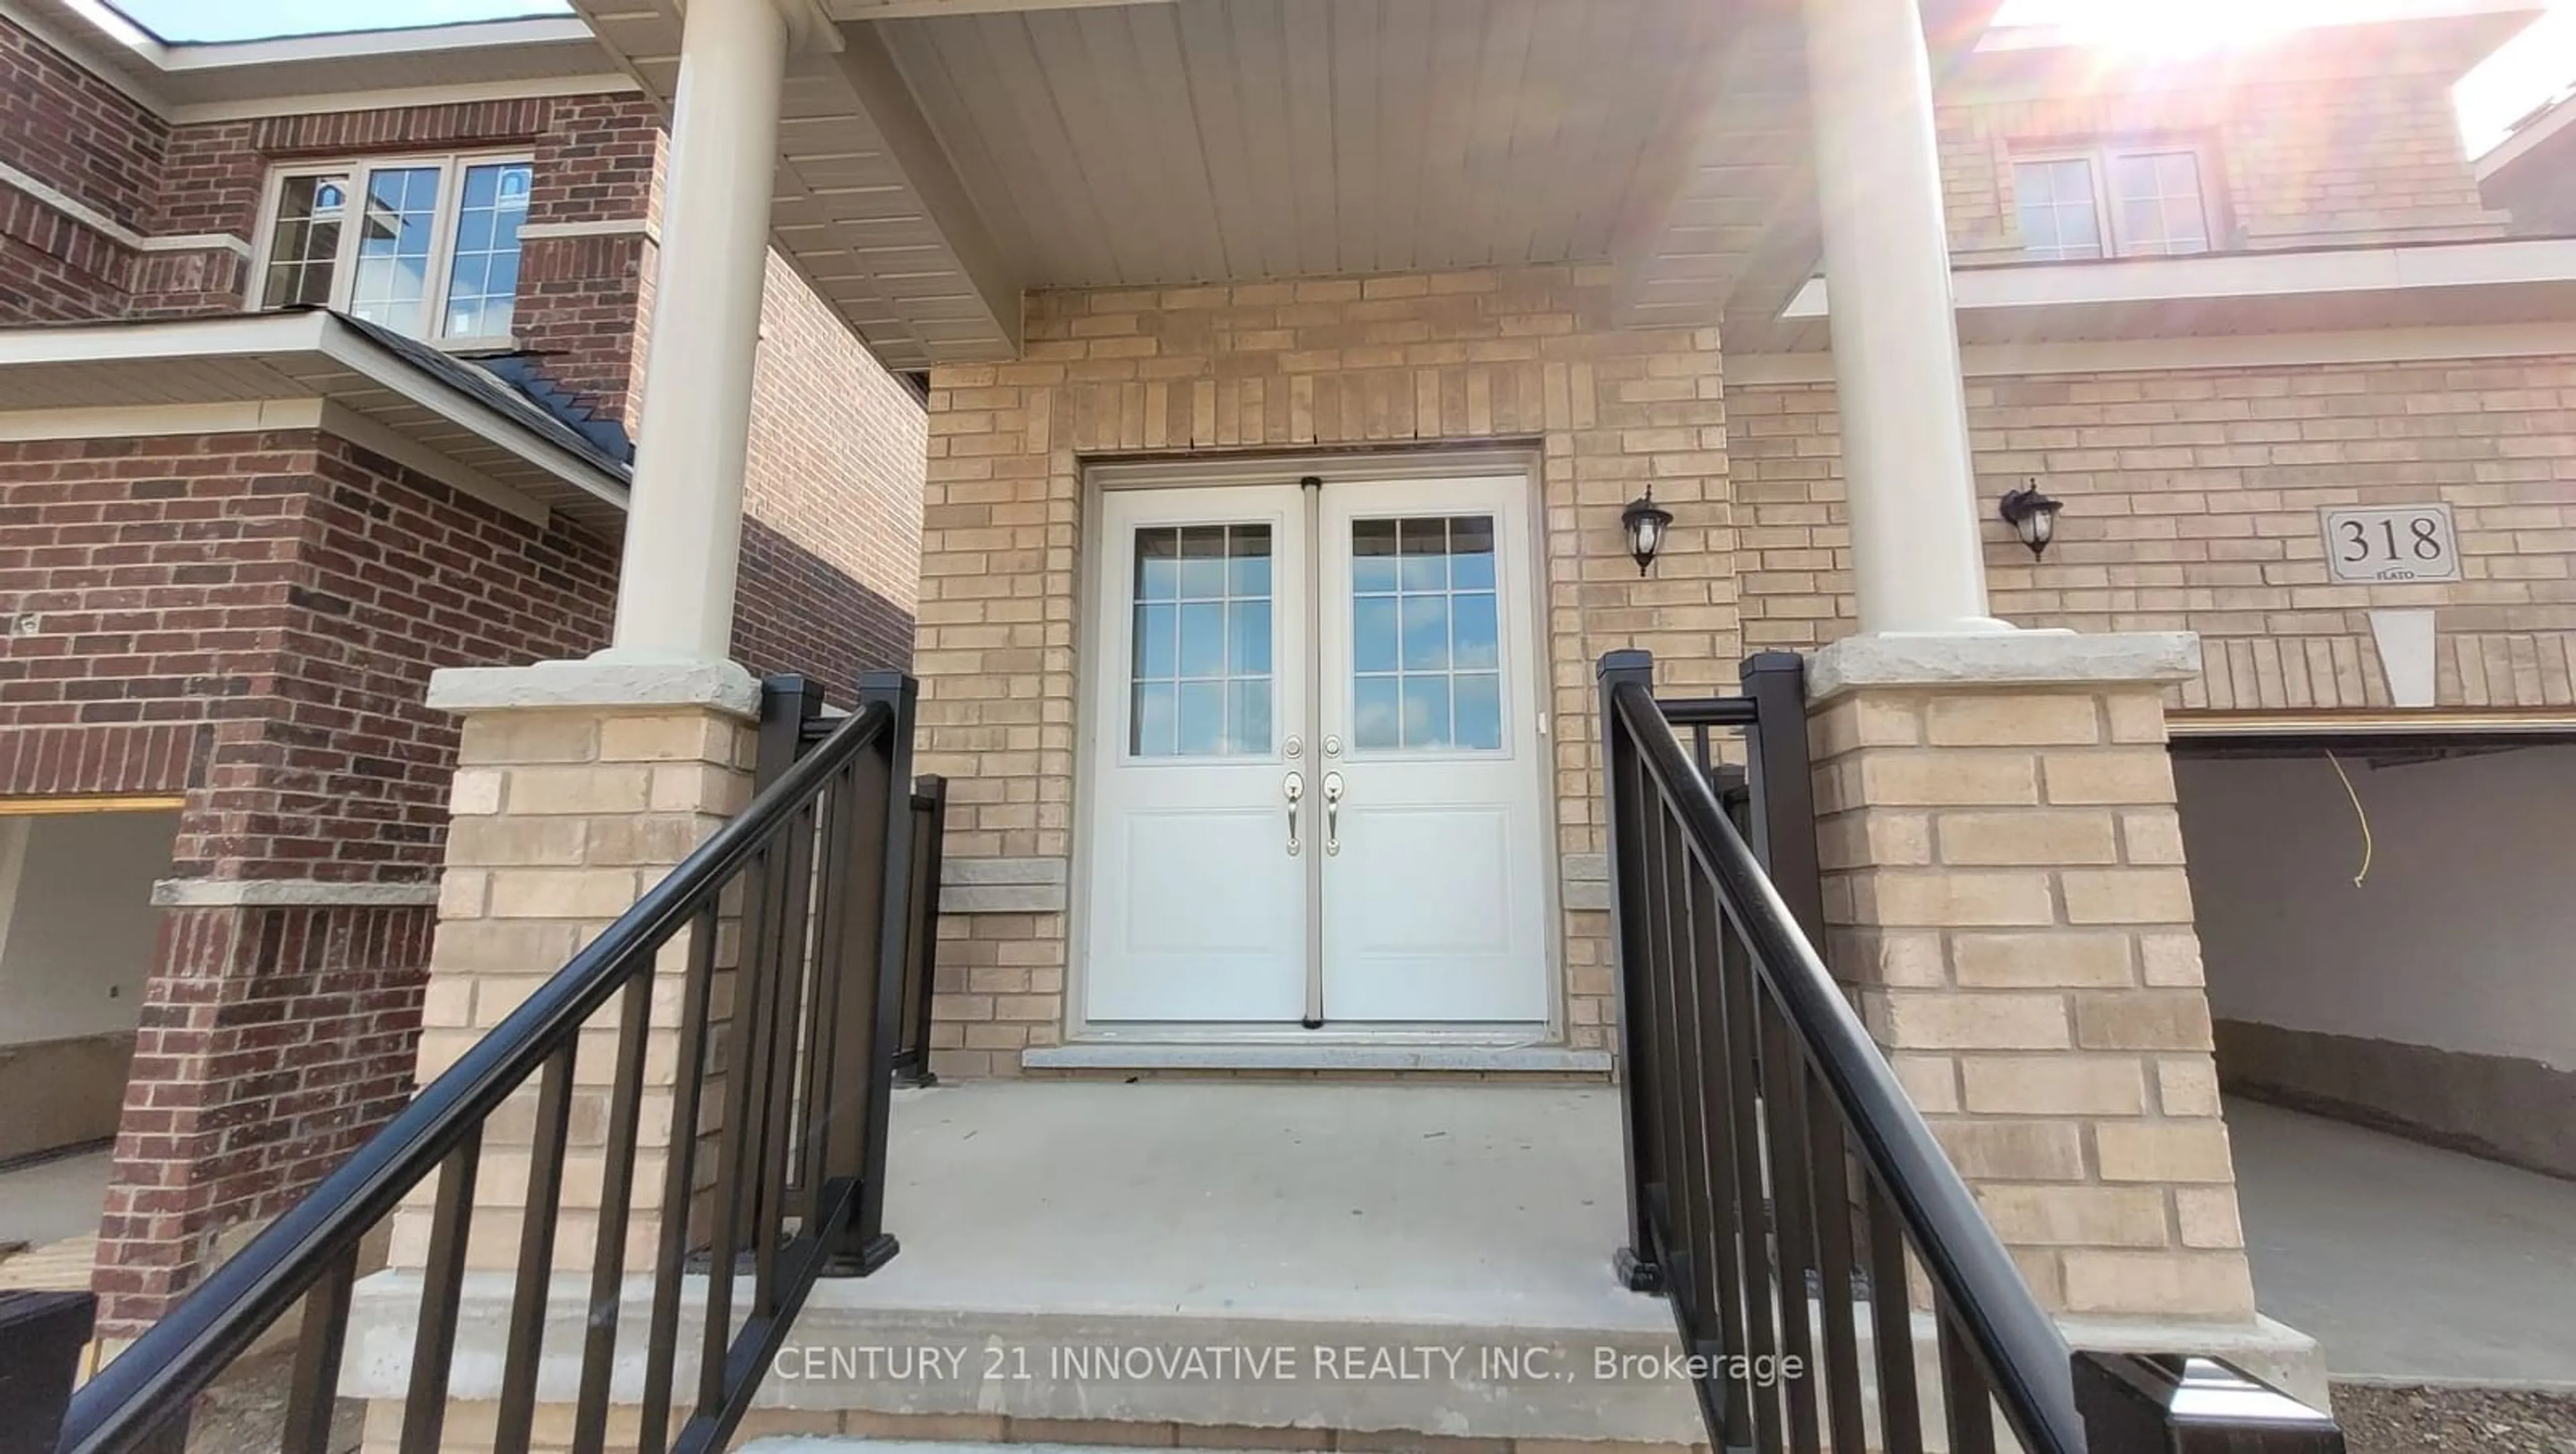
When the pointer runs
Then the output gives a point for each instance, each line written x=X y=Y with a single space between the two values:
x=1376 y=719
x=1200 y=673
x=1426 y=648
x=485 y=279
x=393 y=246
x=306 y=241
x=1478 y=706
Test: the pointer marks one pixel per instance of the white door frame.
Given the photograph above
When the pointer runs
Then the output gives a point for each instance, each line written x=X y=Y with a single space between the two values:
x=1090 y=651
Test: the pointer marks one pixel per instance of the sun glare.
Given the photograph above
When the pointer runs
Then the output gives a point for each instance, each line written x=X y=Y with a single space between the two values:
x=2169 y=27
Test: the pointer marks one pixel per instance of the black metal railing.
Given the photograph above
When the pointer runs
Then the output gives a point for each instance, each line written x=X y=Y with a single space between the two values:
x=780 y=929
x=794 y=702
x=1784 y=1193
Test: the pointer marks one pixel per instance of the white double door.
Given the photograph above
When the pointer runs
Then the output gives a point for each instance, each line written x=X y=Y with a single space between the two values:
x=1317 y=789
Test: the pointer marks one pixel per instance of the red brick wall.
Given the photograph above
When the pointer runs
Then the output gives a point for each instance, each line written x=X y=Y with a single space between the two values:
x=831 y=531
x=76 y=133
x=273 y=1041
x=251 y=619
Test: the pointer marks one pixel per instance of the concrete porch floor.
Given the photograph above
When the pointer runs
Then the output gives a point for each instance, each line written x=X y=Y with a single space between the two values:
x=1041 y=1218
x=2411 y=1264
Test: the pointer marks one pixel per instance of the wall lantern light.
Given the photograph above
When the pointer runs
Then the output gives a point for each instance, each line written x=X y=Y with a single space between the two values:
x=2033 y=517
x=1645 y=521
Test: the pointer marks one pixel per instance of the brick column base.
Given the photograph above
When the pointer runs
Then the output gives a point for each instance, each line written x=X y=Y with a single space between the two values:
x=578 y=787
x=2004 y=891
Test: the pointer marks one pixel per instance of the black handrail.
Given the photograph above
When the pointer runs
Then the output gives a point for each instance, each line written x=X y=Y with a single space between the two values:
x=2016 y=1345
x=1779 y=1172
x=310 y=1252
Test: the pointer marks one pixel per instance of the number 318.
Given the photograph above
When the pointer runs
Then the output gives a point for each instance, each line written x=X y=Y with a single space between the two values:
x=2426 y=543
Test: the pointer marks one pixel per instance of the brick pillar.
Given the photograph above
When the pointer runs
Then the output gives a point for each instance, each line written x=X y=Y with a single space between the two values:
x=578 y=788
x=273 y=1039
x=2004 y=890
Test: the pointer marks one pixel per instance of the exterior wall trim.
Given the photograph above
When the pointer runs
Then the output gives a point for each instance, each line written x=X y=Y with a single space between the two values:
x=288 y=893
x=604 y=227
x=248 y=416
x=2518 y=261
x=2156 y=355
x=115 y=231
x=2547 y=722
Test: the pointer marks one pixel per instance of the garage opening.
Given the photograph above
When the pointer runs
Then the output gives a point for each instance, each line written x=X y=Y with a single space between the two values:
x=2436 y=997
x=77 y=938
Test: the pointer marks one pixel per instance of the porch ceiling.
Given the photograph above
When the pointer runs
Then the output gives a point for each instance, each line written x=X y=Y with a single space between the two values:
x=950 y=153
x=1230 y=139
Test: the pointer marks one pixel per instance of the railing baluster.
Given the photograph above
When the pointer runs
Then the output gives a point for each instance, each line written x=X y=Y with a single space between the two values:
x=524 y=1353
x=679 y=1184
x=787 y=1027
x=832 y=914
x=313 y=1391
x=616 y=1195
x=1762 y=1292
x=1840 y=1369
x=736 y=1138
x=1716 y=1283
x=1965 y=1400
x=442 y=1282
x=1672 y=1241
x=1725 y=990
x=1891 y=1327
x=1784 y=1117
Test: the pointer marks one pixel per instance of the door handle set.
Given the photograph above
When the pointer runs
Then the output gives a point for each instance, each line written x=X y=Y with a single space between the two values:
x=1293 y=788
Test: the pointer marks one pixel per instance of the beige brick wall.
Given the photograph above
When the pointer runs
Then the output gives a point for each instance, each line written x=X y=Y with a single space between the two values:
x=563 y=818
x=1505 y=356
x=2192 y=503
x=2004 y=891
x=2306 y=148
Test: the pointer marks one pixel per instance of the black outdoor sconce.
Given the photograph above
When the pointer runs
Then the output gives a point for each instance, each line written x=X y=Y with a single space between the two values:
x=1645 y=521
x=2033 y=517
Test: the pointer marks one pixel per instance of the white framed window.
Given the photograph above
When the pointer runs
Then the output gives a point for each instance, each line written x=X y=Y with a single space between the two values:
x=423 y=245
x=2147 y=200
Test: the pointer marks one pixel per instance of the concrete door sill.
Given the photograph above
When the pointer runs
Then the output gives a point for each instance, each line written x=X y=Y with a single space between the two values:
x=1345 y=1056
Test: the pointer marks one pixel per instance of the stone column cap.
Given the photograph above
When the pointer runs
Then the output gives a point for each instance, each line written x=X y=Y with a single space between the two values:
x=554 y=686
x=2001 y=659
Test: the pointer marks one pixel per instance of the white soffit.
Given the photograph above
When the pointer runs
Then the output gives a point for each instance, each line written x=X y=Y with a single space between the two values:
x=483 y=60
x=1212 y=140
x=250 y=358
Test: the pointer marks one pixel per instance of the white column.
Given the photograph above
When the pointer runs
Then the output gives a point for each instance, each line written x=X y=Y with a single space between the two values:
x=684 y=525
x=1912 y=483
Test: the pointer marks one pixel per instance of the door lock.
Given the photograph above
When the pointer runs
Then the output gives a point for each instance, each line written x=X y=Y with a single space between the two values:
x=1332 y=746
x=1332 y=813
x=1295 y=789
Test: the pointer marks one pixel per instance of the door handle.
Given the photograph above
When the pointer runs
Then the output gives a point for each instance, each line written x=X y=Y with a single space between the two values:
x=1332 y=813
x=1295 y=789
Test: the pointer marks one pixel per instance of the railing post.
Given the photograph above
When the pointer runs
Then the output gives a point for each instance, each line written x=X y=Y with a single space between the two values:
x=2170 y=1404
x=1784 y=786
x=1621 y=776
x=787 y=703
x=865 y=1240
x=921 y=964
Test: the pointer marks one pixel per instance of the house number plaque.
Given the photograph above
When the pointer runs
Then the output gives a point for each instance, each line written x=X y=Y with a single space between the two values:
x=2407 y=543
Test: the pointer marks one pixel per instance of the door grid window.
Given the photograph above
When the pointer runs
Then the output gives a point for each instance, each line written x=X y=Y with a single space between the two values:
x=1426 y=642
x=1200 y=685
